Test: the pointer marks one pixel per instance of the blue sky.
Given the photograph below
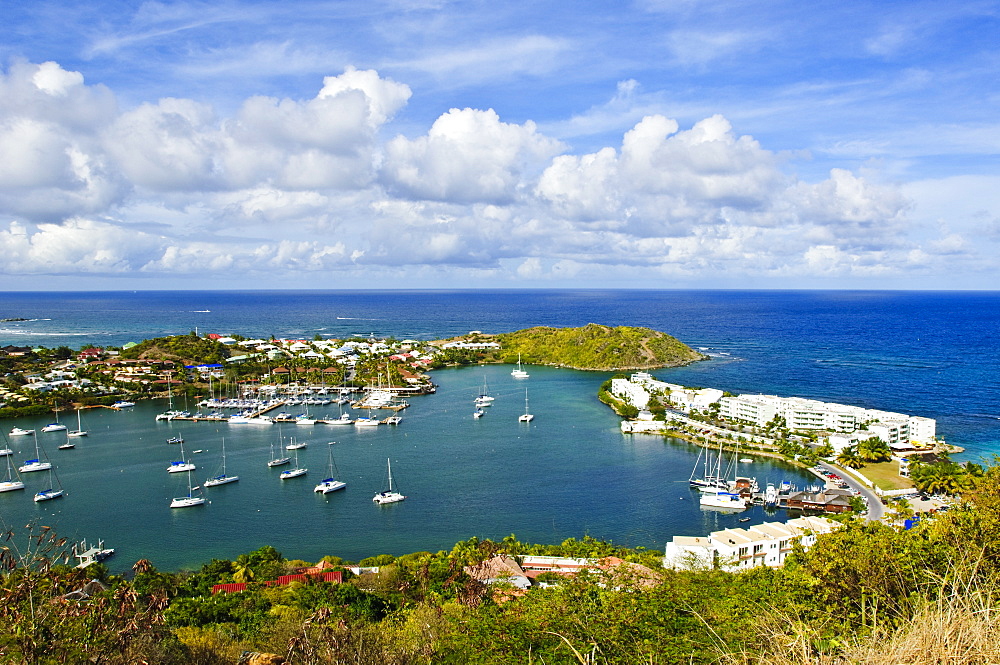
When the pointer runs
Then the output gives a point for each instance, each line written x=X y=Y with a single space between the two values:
x=656 y=144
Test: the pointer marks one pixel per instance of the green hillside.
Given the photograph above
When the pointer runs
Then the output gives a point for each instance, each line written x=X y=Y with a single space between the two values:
x=596 y=347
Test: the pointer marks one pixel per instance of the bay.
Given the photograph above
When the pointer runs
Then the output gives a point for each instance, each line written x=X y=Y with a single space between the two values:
x=569 y=473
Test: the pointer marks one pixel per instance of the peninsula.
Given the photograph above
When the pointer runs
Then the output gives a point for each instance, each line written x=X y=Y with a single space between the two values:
x=590 y=347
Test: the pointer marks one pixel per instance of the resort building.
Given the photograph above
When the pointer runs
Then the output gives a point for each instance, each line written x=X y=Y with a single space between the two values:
x=806 y=414
x=766 y=544
x=636 y=390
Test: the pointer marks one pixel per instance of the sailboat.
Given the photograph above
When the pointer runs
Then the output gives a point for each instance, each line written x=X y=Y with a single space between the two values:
x=67 y=444
x=295 y=472
x=525 y=417
x=54 y=490
x=6 y=452
x=56 y=426
x=330 y=483
x=388 y=496
x=13 y=481
x=484 y=399
x=278 y=461
x=189 y=500
x=221 y=478
x=711 y=479
x=37 y=464
x=517 y=372
x=295 y=445
x=79 y=431
x=181 y=465
x=478 y=413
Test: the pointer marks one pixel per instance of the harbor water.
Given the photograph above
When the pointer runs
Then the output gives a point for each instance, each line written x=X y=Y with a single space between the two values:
x=568 y=473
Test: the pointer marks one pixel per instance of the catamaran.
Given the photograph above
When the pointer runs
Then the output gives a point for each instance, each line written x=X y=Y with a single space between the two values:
x=517 y=372
x=525 y=417
x=388 y=496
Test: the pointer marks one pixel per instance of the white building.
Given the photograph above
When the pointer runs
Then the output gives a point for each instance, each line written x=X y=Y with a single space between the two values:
x=808 y=414
x=766 y=544
x=638 y=387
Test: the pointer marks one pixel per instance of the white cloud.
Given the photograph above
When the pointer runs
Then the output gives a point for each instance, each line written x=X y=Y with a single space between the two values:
x=467 y=156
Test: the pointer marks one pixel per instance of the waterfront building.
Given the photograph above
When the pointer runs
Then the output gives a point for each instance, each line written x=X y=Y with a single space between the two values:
x=765 y=544
x=807 y=414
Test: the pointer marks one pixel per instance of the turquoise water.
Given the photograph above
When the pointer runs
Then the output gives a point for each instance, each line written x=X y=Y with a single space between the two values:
x=568 y=473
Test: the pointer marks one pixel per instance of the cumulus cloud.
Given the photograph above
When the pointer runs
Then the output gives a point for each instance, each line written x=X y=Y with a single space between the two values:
x=307 y=186
x=467 y=156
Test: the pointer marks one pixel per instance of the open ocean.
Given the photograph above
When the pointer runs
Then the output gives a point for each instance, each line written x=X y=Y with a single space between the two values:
x=569 y=473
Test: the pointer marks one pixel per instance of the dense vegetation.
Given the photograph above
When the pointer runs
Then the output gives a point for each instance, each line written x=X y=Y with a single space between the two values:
x=596 y=347
x=183 y=349
x=869 y=593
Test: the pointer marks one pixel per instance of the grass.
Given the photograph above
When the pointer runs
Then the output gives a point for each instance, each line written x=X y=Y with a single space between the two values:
x=886 y=476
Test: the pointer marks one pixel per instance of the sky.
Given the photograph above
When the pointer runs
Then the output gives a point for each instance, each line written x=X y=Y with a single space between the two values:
x=436 y=144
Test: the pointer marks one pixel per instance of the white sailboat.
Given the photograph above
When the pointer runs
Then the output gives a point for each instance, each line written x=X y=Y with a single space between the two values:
x=330 y=483
x=278 y=461
x=67 y=444
x=517 y=372
x=388 y=496
x=484 y=398
x=54 y=491
x=13 y=481
x=189 y=500
x=221 y=478
x=294 y=472
x=181 y=465
x=6 y=451
x=79 y=431
x=294 y=445
x=525 y=417
x=56 y=426
x=37 y=464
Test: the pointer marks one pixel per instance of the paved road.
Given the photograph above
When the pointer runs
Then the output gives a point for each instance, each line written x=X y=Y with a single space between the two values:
x=875 y=508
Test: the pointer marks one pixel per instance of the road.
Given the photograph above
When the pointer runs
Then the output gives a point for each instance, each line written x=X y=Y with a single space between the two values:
x=875 y=508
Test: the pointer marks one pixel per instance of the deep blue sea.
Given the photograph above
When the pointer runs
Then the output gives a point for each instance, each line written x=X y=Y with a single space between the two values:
x=569 y=473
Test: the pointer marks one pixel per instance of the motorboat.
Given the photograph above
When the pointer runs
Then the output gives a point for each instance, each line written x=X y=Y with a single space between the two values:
x=17 y=431
x=122 y=404
x=723 y=500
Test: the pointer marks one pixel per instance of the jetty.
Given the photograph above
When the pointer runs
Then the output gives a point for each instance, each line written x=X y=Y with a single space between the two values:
x=88 y=555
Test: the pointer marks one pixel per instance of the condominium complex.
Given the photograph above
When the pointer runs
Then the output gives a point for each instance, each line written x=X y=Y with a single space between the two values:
x=636 y=391
x=766 y=544
x=807 y=414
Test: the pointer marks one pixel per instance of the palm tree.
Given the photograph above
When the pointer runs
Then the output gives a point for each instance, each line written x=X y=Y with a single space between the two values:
x=850 y=458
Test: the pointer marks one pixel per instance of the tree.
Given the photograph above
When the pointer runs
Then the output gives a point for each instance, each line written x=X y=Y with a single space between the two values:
x=850 y=458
